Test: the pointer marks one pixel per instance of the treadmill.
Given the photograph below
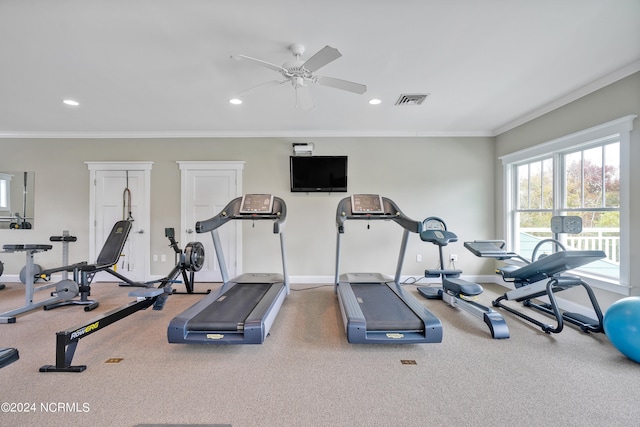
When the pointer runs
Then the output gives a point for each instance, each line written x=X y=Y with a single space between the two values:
x=375 y=308
x=243 y=309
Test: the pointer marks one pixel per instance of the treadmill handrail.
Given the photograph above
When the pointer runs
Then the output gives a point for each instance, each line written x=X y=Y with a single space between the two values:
x=391 y=212
x=232 y=212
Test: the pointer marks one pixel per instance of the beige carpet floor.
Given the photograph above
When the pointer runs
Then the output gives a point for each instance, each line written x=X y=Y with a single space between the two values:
x=307 y=374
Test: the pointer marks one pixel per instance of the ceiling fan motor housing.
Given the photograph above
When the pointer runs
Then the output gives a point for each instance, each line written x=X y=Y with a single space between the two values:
x=295 y=69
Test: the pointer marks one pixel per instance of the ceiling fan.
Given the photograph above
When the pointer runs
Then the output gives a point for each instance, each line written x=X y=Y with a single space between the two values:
x=300 y=73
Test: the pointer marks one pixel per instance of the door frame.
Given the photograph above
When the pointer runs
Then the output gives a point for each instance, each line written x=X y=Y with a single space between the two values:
x=211 y=165
x=146 y=213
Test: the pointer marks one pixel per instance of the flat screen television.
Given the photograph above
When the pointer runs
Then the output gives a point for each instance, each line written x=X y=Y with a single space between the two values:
x=318 y=173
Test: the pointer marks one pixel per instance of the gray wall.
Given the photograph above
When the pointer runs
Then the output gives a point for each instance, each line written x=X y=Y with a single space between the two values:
x=612 y=102
x=458 y=179
x=448 y=177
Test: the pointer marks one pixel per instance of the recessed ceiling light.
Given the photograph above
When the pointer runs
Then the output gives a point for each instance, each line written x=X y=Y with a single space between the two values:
x=70 y=102
x=375 y=101
x=235 y=101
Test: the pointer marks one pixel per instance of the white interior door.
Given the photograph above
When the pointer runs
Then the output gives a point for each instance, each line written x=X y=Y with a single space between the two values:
x=117 y=194
x=207 y=187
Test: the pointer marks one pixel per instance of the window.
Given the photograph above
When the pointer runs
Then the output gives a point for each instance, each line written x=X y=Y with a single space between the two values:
x=534 y=204
x=591 y=184
x=5 y=192
x=585 y=174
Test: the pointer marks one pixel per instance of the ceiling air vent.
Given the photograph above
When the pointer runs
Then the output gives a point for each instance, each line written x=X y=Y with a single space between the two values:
x=411 y=99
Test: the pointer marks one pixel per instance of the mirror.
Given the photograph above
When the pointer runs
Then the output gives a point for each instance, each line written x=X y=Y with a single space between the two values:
x=17 y=197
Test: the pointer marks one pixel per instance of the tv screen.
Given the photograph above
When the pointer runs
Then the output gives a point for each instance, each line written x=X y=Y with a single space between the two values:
x=318 y=173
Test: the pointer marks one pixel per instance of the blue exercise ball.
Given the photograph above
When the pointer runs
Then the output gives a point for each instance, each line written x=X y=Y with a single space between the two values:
x=622 y=326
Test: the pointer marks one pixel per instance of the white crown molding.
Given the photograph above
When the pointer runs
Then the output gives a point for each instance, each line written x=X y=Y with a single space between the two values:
x=239 y=134
x=595 y=85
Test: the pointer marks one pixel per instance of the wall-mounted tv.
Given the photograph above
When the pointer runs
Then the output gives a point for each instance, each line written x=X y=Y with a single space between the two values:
x=318 y=173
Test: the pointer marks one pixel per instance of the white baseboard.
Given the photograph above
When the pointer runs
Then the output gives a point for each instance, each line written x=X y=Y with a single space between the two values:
x=321 y=280
x=10 y=278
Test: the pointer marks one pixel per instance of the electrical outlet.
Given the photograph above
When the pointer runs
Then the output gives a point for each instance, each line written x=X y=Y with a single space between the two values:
x=453 y=257
x=418 y=257
x=163 y=258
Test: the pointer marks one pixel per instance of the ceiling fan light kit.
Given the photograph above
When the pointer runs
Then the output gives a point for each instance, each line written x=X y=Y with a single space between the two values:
x=300 y=73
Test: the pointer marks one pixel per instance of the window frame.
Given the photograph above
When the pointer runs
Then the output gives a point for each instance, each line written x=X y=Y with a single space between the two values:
x=5 y=180
x=577 y=141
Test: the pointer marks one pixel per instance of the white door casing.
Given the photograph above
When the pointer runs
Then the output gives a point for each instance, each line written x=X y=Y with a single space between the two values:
x=109 y=203
x=206 y=188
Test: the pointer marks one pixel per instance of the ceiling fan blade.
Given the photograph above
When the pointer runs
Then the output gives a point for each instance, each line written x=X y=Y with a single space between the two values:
x=261 y=85
x=341 y=84
x=303 y=98
x=324 y=56
x=259 y=62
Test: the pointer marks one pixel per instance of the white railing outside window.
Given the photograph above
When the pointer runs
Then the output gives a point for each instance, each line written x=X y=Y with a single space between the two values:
x=591 y=239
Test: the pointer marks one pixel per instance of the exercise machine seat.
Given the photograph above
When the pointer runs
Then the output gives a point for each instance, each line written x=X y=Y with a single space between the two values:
x=462 y=287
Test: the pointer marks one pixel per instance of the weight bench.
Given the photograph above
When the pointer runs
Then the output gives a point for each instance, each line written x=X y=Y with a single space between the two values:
x=83 y=273
x=65 y=238
x=542 y=278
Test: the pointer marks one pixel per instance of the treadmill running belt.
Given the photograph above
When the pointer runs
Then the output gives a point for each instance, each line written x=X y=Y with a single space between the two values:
x=230 y=310
x=383 y=309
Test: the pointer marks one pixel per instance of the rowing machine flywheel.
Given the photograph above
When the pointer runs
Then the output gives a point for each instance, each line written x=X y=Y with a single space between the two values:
x=194 y=256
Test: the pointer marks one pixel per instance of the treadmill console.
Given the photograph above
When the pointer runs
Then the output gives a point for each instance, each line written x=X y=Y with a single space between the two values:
x=366 y=204
x=256 y=204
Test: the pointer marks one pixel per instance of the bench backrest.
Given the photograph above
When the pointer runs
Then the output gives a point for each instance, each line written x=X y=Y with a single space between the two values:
x=113 y=246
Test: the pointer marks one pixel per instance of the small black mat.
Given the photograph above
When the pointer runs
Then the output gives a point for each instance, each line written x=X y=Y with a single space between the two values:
x=7 y=356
